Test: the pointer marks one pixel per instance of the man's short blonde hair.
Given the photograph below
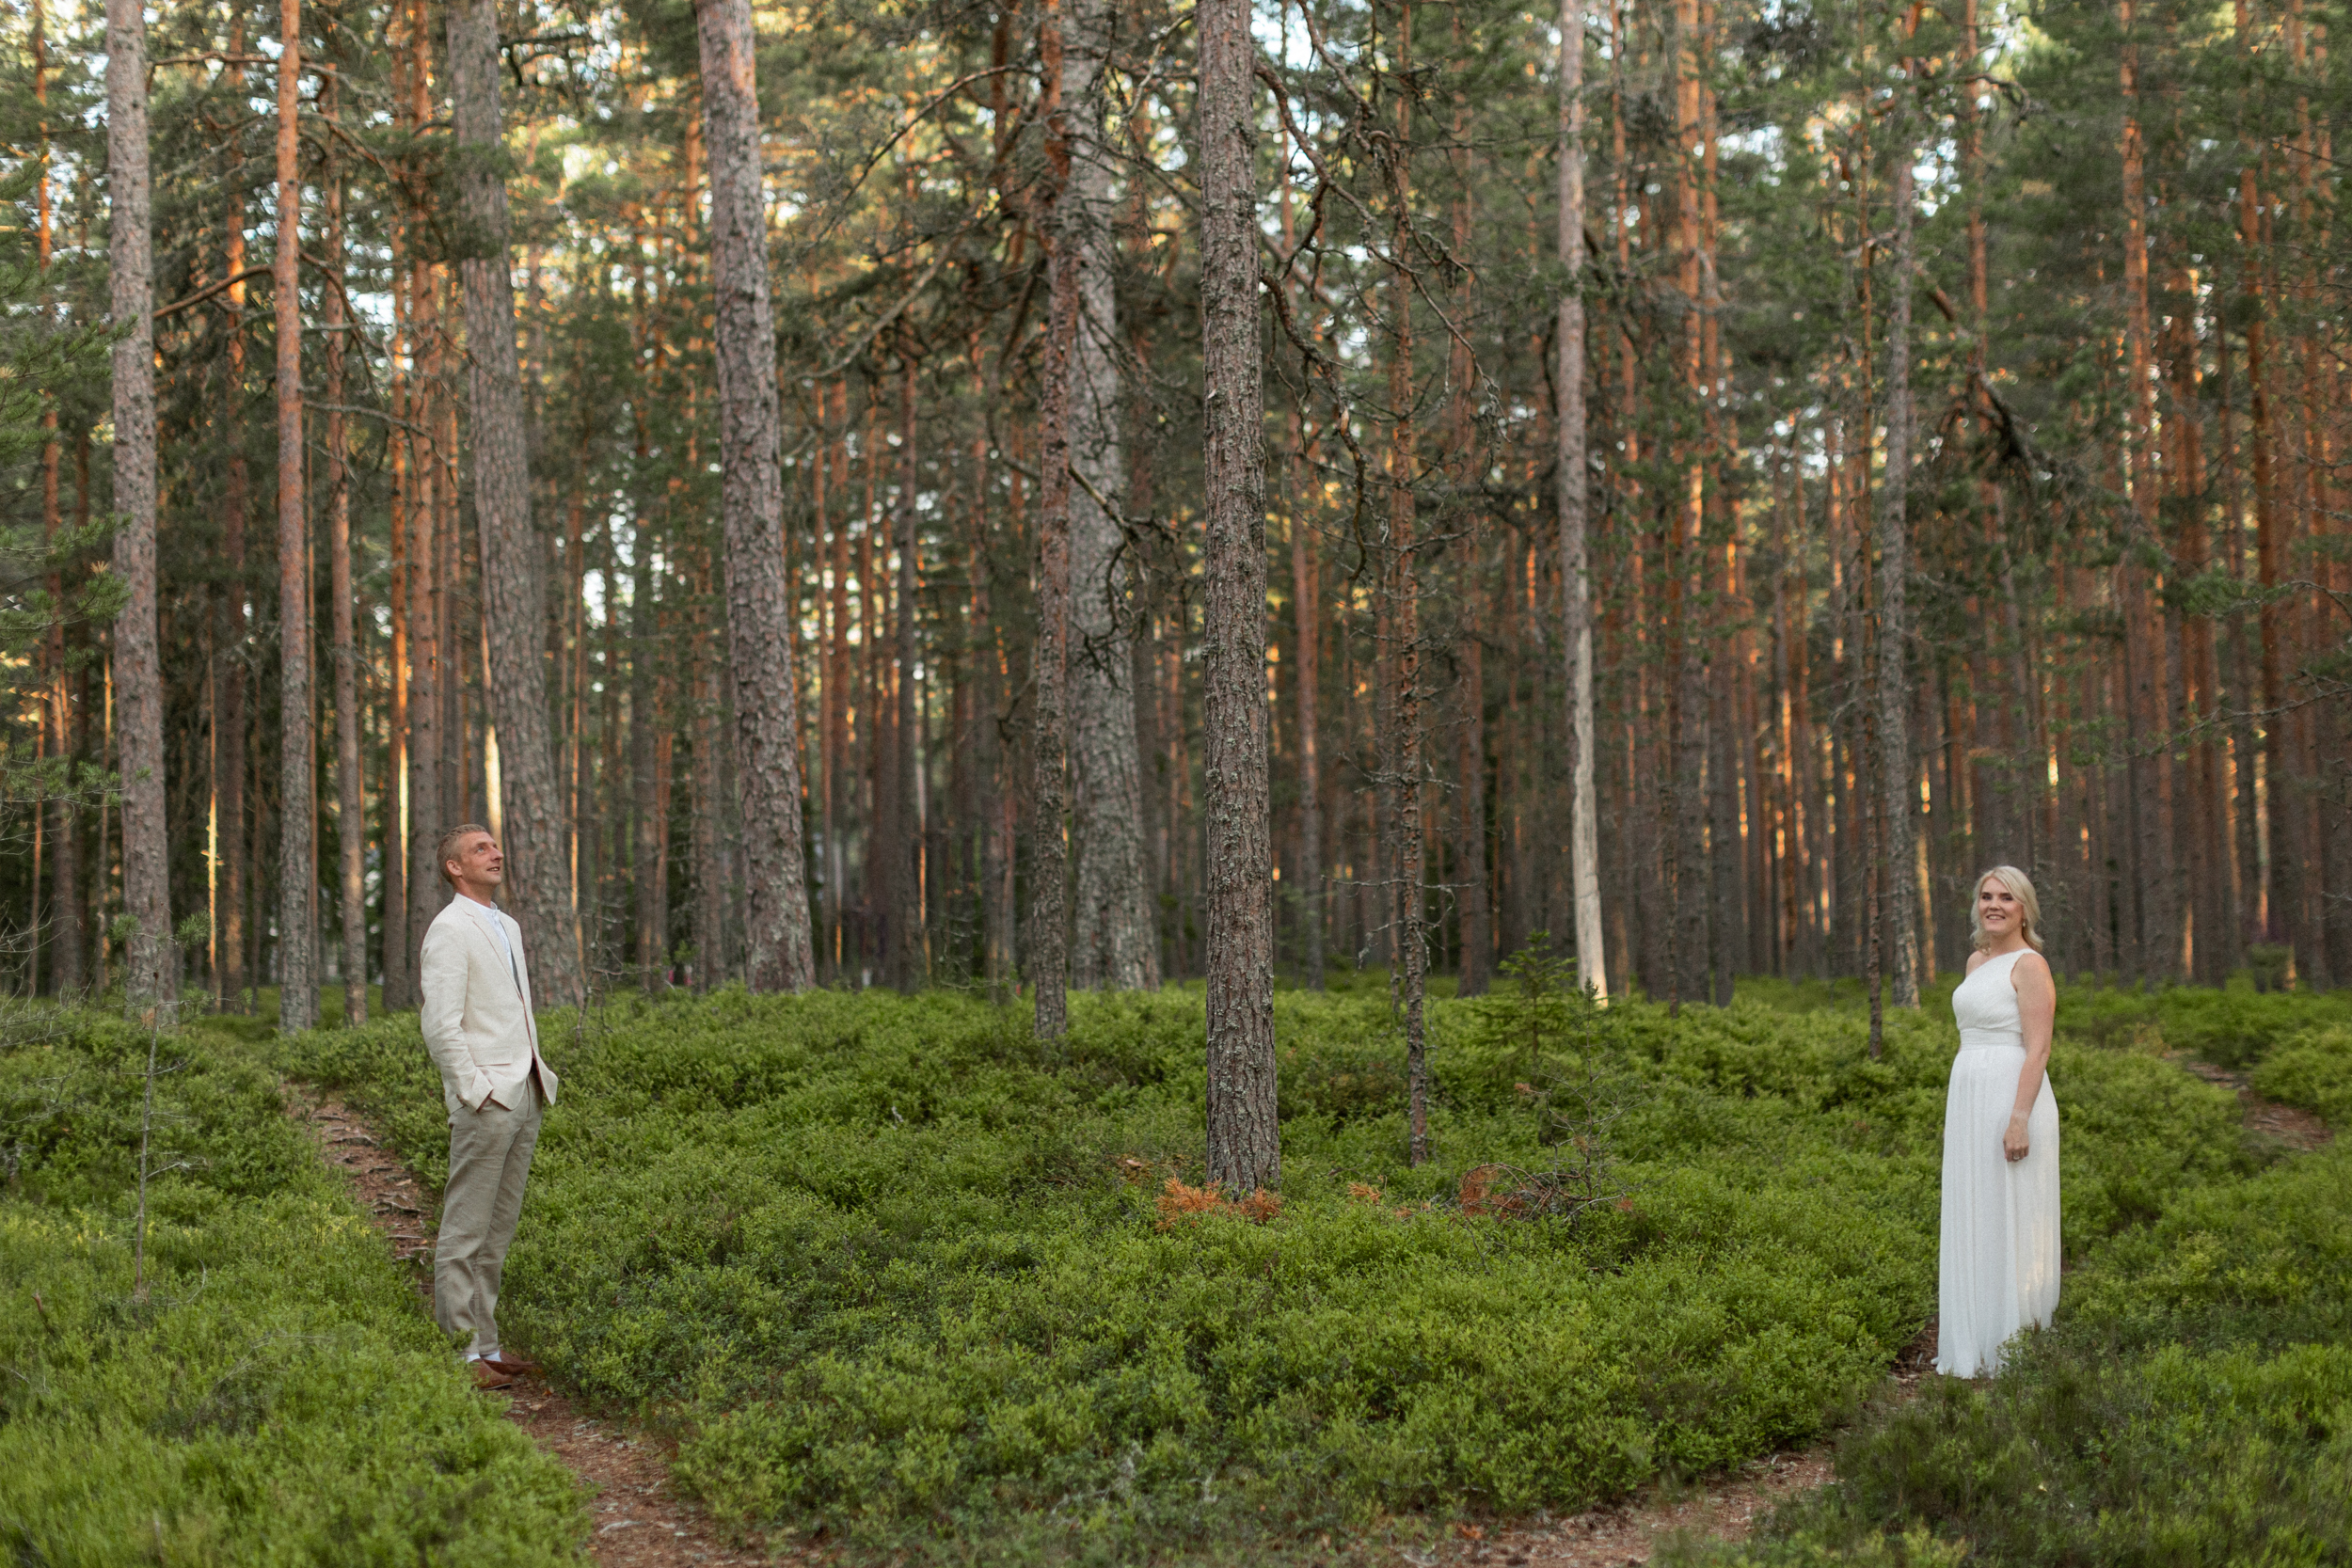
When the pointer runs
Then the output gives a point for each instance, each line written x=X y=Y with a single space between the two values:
x=447 y=850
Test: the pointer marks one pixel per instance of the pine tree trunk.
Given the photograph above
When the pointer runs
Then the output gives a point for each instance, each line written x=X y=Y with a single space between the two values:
x=1244 y=1140
x=1402 y=766
x=1471 y=871
x=1898 y=768
x=513 y=597
x=1574 y=572
x=228 y=630
x=1049 y=736
x=1307 y=611
x=2151 y=770
x=153 y=979
x=1114 y=947
x=710 y=812
x=904 y=960
x=644 y=800
x=297 y=851
x=779 y=953
x=427 y=891
x=351 y=808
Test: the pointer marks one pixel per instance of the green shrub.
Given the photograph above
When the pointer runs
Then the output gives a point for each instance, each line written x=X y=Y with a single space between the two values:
x=2315 y=1072
x=2192 y=1406
x=897 y=1271
x=276 y=1397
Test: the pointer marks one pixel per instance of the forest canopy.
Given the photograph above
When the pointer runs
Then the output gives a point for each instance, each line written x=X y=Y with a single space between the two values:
x=1930 y=416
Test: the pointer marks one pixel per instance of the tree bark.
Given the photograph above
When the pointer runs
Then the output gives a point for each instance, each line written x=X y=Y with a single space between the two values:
x=1049 y=736
x=1575 y=578
x=904 y=957
x=1114 y=947
x=513 y=597
x=779 y=953
x=153 y=977
x=351 y=807
x=229 y=627
x=297 y=851
x=1899 y=779
x=1243 y=1137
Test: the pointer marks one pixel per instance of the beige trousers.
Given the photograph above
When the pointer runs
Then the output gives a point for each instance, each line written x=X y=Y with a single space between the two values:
x=490 y=1159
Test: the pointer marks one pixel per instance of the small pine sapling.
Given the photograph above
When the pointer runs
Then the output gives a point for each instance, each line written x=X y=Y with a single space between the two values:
x=1564 y=1039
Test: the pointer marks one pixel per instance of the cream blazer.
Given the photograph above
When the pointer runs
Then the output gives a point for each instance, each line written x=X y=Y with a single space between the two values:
x=477 y=1009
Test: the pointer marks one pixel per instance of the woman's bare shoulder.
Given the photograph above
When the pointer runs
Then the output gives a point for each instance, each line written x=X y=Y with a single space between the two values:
x=2033 y=966
x=1975 y=958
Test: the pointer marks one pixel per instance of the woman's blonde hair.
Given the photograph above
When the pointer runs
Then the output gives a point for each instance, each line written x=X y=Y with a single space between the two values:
x=2019 y=887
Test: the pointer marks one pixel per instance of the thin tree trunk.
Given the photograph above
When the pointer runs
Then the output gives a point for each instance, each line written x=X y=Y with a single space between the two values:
x=1306 y=607
x=904 y=963
x=779 y=953
x=513 y=597
x=1575 y=578
x=1471 y=873
x=2150 y=765
x=1898 y=769
x=1049 y=740
x=66 y=900
x=297 y=852
x=1243 y=1138
x=708 y=911
x=428 y=655
x=351 y=807
x=1404 y=766
x=152 y=978
x=229 y=623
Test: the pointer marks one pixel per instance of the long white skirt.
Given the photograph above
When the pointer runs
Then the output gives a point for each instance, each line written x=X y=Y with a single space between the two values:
x=1999 y=1260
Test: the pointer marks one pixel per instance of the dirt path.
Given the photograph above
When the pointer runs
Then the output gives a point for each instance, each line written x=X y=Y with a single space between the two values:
x=639 y=1521
x=2296 y=1128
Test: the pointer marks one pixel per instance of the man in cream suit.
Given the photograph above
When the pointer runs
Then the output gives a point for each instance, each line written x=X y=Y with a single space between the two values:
x=478 y=1026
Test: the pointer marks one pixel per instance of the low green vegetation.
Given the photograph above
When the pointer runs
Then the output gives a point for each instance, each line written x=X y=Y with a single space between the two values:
x=894 y=1273
x=274 y=1395
x=2193 y=1403
x=2313 y=1071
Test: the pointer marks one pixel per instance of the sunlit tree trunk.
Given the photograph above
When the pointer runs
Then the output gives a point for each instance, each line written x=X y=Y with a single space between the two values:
x=1243 y=1138
x=298 y=850
x=1574 y=489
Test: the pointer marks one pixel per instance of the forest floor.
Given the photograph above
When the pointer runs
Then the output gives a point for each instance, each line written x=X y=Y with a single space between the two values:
x=639 y=1520
x=624 y=1470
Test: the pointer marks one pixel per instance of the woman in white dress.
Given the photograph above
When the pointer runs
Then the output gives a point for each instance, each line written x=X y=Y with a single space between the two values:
x=1999 y=1272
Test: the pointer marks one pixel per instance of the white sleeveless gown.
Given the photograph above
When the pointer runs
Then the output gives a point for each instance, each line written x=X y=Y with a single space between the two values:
x=1999 y=1272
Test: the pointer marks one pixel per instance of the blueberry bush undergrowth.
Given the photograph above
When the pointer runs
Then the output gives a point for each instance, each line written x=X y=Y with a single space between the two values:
x=2193 y=1402
x=273 y=1396
x=891 y=1271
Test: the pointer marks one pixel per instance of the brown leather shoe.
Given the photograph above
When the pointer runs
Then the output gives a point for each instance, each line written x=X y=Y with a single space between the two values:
x=513 y=1365
x=488 y=1375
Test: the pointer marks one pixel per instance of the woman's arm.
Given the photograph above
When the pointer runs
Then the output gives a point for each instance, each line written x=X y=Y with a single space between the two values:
x=2037 y=1014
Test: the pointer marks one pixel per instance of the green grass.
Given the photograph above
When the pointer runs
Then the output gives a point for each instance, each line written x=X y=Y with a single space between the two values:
x=891 y=1271
x=277 y=1398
